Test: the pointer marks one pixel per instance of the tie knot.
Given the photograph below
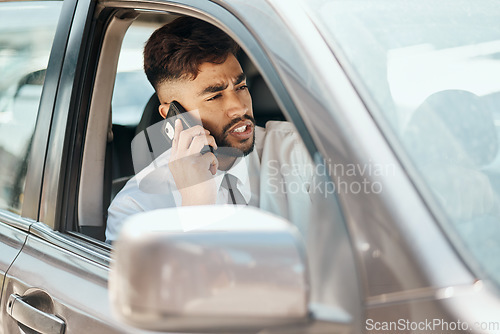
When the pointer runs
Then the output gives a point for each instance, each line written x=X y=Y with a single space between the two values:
x=229 y=181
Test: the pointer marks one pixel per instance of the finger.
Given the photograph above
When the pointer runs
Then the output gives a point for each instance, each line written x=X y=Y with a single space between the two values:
x=210 y=160
x=211 y=141
x=177 y=132
x=209 y=145
x=213 y=168
x=186 y=136
x=199 y=142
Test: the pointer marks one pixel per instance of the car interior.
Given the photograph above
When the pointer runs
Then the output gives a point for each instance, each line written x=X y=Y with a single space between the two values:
x=108 y=158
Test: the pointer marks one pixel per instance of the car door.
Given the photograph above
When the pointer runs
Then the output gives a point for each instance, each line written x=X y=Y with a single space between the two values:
x=27 y=32
x=57 y=284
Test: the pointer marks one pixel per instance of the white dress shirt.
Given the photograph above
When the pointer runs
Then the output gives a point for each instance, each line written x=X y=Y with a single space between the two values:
x=274 y=177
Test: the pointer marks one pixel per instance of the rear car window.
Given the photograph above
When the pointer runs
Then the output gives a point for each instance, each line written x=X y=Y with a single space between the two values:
x=27 y=31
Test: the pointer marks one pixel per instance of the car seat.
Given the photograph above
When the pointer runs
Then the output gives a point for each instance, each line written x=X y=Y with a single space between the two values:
x=452 y=137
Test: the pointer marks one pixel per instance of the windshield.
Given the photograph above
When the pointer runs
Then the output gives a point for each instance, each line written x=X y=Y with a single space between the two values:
x=433 y=70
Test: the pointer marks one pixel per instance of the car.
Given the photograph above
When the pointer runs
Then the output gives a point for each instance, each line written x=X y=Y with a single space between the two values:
x=396 y=102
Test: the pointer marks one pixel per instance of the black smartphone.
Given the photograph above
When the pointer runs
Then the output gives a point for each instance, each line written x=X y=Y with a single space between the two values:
x=177 y=111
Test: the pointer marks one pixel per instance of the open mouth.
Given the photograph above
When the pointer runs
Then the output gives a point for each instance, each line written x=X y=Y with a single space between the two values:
x=242 y=130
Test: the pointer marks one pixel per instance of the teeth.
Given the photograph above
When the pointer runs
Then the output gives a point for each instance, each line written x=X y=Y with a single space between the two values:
x=240 y=129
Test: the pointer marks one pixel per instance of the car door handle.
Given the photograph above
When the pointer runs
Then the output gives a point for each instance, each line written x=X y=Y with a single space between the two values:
x=33 y=318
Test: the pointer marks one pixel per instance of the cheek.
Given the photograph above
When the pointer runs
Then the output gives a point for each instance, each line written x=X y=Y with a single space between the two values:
x=212 y=124
x=248 y=102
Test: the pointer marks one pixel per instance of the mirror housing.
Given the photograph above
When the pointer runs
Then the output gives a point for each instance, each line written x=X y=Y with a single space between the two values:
x=213 y=268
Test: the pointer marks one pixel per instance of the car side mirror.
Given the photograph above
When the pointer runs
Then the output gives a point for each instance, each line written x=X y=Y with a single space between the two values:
x=214 y=268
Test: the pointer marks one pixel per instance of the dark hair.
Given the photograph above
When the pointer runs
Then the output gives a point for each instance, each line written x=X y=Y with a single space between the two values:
x=178 y=49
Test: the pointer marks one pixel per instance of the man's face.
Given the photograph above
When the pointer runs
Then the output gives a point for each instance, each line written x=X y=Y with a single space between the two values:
x=221 y=96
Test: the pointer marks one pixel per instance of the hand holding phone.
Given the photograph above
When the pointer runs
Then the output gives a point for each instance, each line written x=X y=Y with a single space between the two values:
x=177 y=111
x=192 y=172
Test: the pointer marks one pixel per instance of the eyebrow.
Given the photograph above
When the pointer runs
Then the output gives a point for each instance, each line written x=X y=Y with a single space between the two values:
x=240 y=78
x=220 y=87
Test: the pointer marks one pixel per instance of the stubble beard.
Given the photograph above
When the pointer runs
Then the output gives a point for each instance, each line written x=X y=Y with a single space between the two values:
x=225 y=147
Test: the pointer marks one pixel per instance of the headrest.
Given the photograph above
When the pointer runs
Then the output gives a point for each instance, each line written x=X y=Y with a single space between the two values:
x=452 y=126
x=150 y=115
x=264 y=101
x=265 y=107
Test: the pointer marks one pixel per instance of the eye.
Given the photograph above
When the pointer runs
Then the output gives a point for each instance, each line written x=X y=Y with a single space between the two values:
x=214 y=97
x=242 y=87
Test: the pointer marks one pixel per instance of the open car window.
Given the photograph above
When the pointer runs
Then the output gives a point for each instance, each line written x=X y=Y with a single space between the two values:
x=296 y=188
x=139 y=143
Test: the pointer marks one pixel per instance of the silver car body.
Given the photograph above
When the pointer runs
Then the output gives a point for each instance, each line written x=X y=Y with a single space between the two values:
x=377 y=256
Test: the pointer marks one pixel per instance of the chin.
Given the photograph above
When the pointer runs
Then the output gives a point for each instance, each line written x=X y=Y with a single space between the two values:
x=234 y=150
x=249 y=150
x=247 y=147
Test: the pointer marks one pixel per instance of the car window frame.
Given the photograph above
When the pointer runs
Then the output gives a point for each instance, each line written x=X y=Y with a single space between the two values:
x=59 y=202
x=36 y=157
x=214 y=14
x=36 y=165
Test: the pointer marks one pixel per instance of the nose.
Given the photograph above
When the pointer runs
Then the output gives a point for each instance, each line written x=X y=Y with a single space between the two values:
x=235 y=105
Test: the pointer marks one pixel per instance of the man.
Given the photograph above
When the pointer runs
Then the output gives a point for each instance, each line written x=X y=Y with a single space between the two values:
x=194 y=63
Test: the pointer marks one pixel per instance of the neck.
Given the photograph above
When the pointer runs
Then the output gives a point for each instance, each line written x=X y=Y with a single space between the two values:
x=225 y=162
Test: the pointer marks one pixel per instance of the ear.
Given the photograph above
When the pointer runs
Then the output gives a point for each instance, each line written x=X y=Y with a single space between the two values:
x=163 y=109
